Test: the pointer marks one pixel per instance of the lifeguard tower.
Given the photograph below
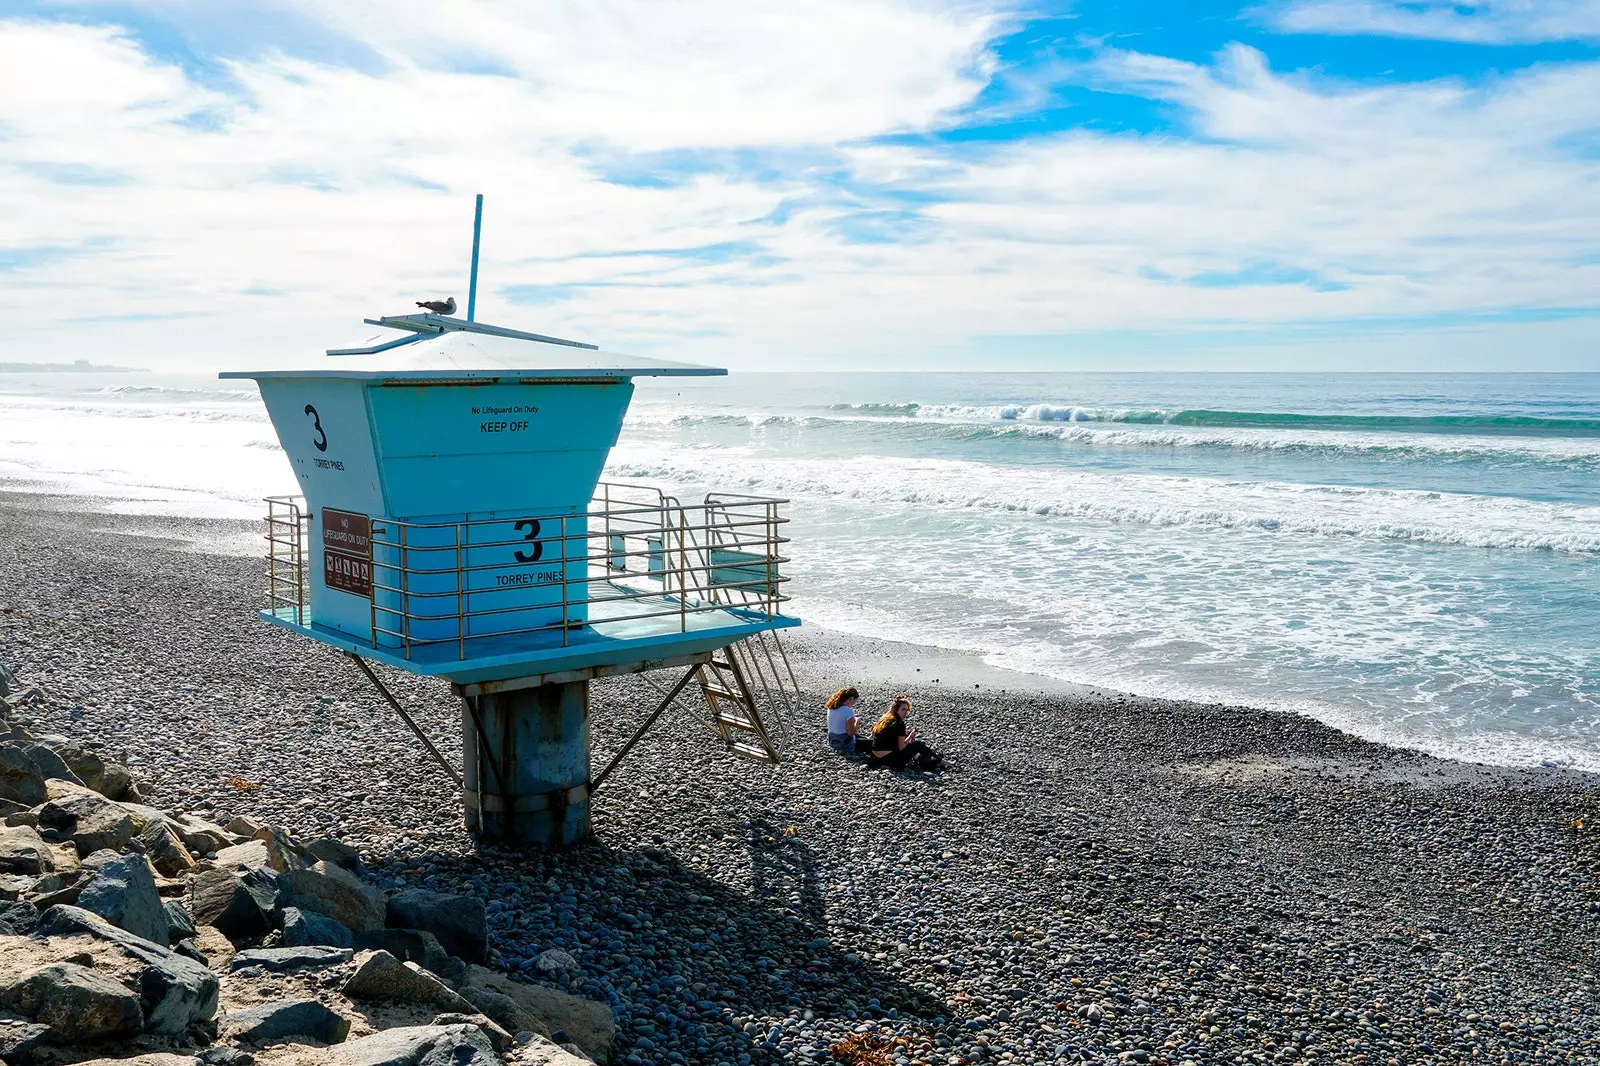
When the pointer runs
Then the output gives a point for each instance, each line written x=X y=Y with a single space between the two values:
x=453 y=524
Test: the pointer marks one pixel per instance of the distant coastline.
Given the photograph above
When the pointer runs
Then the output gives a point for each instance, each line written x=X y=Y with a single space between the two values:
x=81 y=366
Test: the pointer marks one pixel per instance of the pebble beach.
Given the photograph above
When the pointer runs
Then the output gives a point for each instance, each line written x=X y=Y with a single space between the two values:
x=1101 y=878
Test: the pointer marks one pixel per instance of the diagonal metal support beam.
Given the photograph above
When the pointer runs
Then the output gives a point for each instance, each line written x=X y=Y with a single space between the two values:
x=649 y=721
x=401 y=711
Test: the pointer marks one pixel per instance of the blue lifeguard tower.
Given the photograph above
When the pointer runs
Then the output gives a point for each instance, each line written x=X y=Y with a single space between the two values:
x=453 y=524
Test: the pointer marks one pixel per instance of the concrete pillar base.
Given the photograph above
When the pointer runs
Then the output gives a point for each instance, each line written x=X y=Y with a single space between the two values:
x=525 y=777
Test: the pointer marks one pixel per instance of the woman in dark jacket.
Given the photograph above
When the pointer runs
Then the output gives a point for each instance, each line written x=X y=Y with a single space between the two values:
x=895 y=743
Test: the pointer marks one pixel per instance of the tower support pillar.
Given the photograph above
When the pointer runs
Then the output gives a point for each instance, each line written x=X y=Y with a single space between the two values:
x=525 y=764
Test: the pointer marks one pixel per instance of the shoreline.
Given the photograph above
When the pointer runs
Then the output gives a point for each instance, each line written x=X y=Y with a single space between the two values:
x=869 y=659
x=1104 y=878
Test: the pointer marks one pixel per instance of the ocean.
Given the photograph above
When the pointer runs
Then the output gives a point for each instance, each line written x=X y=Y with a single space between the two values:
x=1413 y=558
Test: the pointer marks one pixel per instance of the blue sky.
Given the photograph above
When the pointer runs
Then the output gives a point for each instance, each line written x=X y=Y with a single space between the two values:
x=1310 y=184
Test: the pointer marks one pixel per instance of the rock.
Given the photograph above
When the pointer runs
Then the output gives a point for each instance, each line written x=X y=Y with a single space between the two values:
x=335 y=851
x=23 y=851
x=154 y=1058
x=413 y=945
x=18 y=918
x=243 y=905
x=460 y=922
x=50 y=763
x=17 y=1044
x=251 y=855
x=541 y=1052
x=92 y=821
x=505 y=1011
x=501 y=1039
x=60 y=887
x=240 y=826
x=301 y=928
x=381 y=976
x=282 y=960
x=225 y=1056
x=144 y=817
x=123 y=892
x=180 y=924
x=166 y=849
x=81 y=1005
x=421 y=1045
x=591 y=1024
x=337 y=893
x=200 y=836
x=20 y=778
x=555 y=960
x=278 y=1022
x=110 y=779
x=176 y=992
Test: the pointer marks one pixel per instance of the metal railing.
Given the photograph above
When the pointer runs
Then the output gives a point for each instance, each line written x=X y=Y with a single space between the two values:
x=634 y=555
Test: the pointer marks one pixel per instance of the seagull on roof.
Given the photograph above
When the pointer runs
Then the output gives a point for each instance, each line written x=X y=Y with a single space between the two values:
x=439 y=307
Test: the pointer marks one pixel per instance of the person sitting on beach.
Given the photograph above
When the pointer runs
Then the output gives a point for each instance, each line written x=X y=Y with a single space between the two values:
x=842 y=721
x=895 y=743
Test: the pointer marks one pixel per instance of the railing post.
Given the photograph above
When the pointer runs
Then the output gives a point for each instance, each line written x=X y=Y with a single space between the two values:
x=461 y=602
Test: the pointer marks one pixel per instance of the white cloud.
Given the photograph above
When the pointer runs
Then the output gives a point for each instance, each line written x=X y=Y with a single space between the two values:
x=1298 y=199
x=1478 y=21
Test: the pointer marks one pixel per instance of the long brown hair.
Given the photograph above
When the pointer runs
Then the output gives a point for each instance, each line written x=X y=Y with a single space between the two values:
x=836 y=700
x=888 y=716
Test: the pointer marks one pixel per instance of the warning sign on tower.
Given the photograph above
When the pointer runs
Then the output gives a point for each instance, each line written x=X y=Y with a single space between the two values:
x=347 y=552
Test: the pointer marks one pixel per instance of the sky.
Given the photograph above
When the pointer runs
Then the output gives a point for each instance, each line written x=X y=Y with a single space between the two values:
x=835 y=184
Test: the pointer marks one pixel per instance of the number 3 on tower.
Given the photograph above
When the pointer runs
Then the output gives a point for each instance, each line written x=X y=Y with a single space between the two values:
x=316 y=423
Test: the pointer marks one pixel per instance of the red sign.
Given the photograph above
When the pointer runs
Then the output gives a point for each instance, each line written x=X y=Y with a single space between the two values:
x=347 y=552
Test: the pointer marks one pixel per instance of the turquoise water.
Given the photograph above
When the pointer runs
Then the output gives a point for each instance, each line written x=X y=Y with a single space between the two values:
x=1413 y=557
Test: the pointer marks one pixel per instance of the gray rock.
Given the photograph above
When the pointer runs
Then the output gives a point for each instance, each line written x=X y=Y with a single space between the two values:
x=241 y=826
x=93 y=822
x=542 y=1009
x=301 y=928
x=337 y=893
x=251 y=855
x=18 y=918
x=225 y=1056
x=279 y=1022
x=110 y=779
x=50 y=762
x=242 y=904
x=335 y=851
x=23 y=851
x=20 y=778
x=421 y=1045
x=460 y=922
x=176 y=991
x=79 y=1004
x=414 y=945
x=180 y=924
x=502 y=1040
x=381 y=976
x=18 y=1043
x=282 y=960
x=123 y=892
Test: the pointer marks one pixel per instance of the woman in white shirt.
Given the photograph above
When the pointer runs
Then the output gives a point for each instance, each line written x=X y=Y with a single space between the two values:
x=842 y=720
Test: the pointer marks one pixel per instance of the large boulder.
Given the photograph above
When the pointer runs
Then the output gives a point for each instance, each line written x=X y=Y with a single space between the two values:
x=153 y=1058
x=21 y=781
x=93 y=822
x=123 y=892
x=80 y=1005
x=381 y=976
x=418 y=1045
x=243 y=904
x=19 y=1042
x=111 y=779
x=251 y=855
x=414 y=945
x=540 y=1009
x=333 y=891
x=280 y=1022
x=301 y=928
x=49 y=762
x=23 y=851
x=460 y=922
x=166 y=849
x=200 y=836
x=335 y=851
x=18 y=917
x=176 y=991
x=180 y=923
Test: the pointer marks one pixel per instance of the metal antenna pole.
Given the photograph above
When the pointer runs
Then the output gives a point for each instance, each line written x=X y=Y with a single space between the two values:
x=472 y=286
